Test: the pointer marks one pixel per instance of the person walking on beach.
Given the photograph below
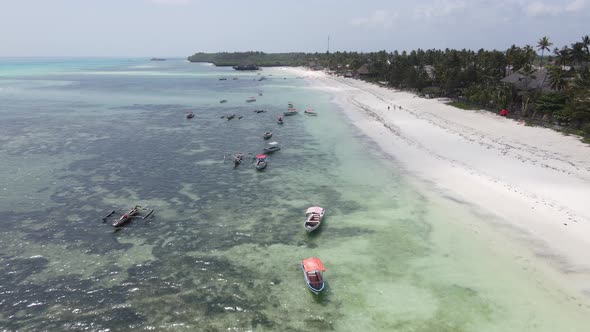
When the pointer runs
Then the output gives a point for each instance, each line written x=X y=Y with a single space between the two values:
x=388 y=108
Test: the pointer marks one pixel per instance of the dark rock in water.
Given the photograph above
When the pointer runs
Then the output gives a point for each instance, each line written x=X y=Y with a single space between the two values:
x=246 y=67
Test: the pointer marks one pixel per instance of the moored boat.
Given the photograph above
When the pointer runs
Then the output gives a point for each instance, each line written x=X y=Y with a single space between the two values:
x=280 y=120
x=190 y=115
x=126 y=217
x=222 y=101
x=251 y=99
x=290 y=111
x=314 y=216
x=267 y=135
x=272 y=147
x=312 y=270
x=238 y=158
x=309 y=111
x=261 y=162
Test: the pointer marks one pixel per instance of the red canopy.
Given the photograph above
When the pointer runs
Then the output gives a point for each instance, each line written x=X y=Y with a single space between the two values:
x=260 y=156
x=504 y=112
x=312 y=264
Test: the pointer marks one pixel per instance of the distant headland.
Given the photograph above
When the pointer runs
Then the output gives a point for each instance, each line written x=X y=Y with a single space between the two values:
x=257 y=59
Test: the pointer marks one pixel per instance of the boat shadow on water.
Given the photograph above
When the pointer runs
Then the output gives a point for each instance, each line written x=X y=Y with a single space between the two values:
x=324 y=296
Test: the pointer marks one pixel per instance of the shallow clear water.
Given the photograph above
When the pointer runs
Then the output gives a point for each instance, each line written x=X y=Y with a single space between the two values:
x=81 y=137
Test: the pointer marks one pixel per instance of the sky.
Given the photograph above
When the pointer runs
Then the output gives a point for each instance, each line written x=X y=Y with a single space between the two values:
x=183 y=27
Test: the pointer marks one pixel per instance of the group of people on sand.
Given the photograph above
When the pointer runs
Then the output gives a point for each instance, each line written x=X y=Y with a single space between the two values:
x=394 y=107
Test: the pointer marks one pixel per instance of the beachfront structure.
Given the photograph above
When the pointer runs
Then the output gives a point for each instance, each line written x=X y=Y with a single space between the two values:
x=536 y=79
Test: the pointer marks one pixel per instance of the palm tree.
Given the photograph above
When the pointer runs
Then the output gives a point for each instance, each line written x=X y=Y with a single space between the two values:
x=577 y=53
x=544 y=44
x=586 y=43
x=557 y=77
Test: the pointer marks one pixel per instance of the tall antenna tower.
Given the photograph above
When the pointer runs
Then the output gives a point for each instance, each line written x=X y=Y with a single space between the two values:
x=328 y=43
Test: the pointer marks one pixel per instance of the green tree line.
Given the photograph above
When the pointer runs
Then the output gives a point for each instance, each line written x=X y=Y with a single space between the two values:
x=471 y=77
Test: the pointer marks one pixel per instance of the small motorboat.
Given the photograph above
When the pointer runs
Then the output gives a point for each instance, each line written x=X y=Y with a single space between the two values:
x=280 y=120
x=290 y=111
x=312 y=270
x=223 y=101
x=314 y=216
x=251 y=99
x=223 y=79
x=190 y=115
x=267 y=135
x=272 y=147
x=309 y=111
x=261 y=162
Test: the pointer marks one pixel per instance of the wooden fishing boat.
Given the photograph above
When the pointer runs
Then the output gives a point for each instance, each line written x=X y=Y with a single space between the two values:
x=272 y=147
x=290 y=111
x=267 y=135
x=261 y=162
x=135 y=212
x=126 y=217
x=312 y=271
x=238 y=158
x=314 y=216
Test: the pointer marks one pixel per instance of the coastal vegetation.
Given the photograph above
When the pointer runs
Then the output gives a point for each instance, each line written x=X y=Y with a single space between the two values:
x=251 y=58
x=548 y=89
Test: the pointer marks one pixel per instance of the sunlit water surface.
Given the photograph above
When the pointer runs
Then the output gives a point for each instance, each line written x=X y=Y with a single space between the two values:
x=82 y=137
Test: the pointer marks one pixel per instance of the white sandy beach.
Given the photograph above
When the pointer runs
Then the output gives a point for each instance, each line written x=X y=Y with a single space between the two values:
x=533 y=183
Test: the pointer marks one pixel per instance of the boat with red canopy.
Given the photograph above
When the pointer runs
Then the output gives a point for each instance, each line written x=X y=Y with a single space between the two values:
x=314 y=217
x=261 y=162
x=312 y=270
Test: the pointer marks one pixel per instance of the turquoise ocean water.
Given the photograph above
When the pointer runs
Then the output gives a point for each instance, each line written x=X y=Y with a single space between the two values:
x=82 y=137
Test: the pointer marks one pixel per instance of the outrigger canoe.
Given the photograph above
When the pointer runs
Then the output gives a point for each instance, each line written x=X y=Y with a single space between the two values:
x=126 y=217
x=314 y=216
x=312 y=270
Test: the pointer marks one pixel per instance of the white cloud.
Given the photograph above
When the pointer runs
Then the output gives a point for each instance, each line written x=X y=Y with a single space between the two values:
x=543 y=9
x=439 y=8
x=378 y=19
x=575 y=6
x=171 y=2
